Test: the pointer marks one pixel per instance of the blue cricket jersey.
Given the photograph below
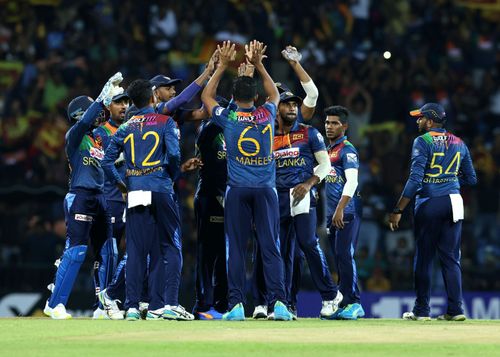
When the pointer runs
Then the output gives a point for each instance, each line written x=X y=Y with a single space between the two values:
x=150 y=144
x=211 y=149
x=249 y=135
x=440 y=163
x=343 y=156
x=294 y=155
x=102 y=135
x=84 y=153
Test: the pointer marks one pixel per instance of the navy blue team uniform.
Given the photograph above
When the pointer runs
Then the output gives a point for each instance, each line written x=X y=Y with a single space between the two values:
x=85 y=208
x=343 y=156
x=440 y=164
x=251 y=196
x=116 y=205
x=151 y=149
x=294 y=155
x=211 y=275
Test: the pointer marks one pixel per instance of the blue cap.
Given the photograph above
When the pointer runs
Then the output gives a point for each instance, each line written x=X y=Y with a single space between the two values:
x=78 y=106
x=163 y=81
x=290 y=97
x=432 y=111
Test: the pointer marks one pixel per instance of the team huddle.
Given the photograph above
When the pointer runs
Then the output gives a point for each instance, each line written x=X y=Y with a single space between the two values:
x=258 y=171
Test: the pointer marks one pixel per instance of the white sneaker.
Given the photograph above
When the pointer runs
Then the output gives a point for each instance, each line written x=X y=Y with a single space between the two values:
x=271 y=316
x=177 y=313
x=59 y=313
x=100 y=314
x=330 y=307
x=111 y=308
x=47 y=310
x=411 y=316
x=260 y=312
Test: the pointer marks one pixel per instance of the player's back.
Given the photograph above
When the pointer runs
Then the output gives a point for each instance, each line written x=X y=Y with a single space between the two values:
x=211 y=149
x=249 y=135
x=151 y=150
x=447 y=157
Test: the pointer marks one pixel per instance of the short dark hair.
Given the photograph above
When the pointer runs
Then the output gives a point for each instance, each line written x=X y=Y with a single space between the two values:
x=244 y=88
x=140 y=91
x=338 y=111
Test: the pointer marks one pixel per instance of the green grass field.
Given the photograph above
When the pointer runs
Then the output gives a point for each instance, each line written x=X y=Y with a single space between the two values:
x=369 y=337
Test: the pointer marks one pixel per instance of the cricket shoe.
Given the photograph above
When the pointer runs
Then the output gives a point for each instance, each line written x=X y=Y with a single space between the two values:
x=330 y=307
x=110 y=306
x=177 y=313
x=411 y=316
x=211 y=314
x=47 y=310
x=237 y=313
x=154 y=315
x=133 y=314
x=260 y=312
x=281 y=312
x=59 y=313
x=446 y=317
x=352 y=312
x=100 y=314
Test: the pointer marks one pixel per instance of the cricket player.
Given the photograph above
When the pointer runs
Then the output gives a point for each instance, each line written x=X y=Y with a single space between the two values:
x=150 y=145
x=117 y=108
x=343 y=214
x=211 y=274
x=86 y=211
x=296 y=149
x=440 y=164
x=250 y=194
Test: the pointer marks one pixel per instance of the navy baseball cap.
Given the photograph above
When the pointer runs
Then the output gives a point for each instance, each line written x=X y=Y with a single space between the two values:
x=120 y=96
x=432 y=111
x=163 y=81
x=282 y=87
x=78 y=106
x=289 y=97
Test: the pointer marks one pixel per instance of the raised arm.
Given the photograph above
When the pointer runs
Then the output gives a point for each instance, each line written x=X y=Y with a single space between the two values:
x=254 y=52
x=309 y=104
x=190 y=91
x=227 y=53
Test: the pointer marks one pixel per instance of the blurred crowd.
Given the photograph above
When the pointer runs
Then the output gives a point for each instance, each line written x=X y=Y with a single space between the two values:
x=379 y=58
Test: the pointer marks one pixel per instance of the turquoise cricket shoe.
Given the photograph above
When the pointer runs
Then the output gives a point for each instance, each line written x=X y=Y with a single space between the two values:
x=335 y=315
x=352 y=312
x=281 y=312
x=133 y=315
x=237 y=313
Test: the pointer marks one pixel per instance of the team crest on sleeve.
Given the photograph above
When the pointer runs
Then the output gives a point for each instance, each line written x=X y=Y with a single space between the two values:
x=352 y=158
x=218 y=111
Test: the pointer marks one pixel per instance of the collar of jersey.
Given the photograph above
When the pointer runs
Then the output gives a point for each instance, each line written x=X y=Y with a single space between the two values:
x=338 y=141
x=113 y=123
x=439 y=130
x=146 y=110
x=248 y=110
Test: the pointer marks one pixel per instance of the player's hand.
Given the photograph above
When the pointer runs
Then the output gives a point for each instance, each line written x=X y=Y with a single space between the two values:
x=291 y=54
x=191 y=164
x=338 y=219
x=227 y=53
x=254 y=52
x=107 y=91
x=212 y=62
x=299 y=192
x=246 y=69
x=394 y=219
